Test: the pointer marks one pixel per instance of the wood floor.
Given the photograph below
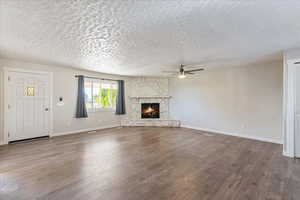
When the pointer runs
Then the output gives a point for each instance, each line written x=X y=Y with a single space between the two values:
x=147 y=163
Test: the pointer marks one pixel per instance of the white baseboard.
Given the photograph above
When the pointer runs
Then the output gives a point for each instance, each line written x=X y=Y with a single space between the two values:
x=84 y=130
x=2 y=143
x=234 y=134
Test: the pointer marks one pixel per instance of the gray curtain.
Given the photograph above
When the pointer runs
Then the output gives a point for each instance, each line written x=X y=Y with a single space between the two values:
x=81 y=108
x=120 y=107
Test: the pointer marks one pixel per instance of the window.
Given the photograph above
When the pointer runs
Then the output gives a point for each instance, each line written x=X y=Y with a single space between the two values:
x=100 y=95
x=29 y=91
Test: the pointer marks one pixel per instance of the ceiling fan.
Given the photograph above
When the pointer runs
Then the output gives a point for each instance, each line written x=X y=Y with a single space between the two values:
x=182 y=72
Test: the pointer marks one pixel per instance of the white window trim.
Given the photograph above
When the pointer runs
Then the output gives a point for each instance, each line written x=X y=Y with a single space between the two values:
x=95 y=110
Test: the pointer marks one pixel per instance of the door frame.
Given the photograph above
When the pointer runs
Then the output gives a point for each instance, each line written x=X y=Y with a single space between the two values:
x=289 y=107
x=6 y=70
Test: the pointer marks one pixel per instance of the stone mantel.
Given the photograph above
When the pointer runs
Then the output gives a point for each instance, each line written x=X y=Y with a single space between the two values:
x=150 y=97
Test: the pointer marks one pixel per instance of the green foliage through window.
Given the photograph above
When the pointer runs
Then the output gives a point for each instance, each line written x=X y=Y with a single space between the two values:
x=100 y=94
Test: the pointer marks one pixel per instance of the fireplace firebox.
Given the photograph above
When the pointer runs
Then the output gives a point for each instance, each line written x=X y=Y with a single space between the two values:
x=150 y=110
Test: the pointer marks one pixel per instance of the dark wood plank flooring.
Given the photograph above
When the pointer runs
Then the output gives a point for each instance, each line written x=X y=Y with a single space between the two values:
x=147 y=163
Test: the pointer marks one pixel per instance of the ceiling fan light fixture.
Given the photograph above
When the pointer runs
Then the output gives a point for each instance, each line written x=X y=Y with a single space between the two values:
x=181 y=75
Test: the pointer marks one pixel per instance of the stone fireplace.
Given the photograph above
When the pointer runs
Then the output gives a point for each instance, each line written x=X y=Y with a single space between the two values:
x=148 y=103
x=150 y=110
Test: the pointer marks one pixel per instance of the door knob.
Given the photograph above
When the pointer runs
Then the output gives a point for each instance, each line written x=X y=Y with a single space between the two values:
x=46 y=109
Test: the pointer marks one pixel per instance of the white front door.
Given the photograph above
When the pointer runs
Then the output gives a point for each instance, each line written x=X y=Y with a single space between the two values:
x=28 y=105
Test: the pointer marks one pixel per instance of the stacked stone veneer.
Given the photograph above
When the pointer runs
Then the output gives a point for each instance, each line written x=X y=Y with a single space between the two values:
x=148 y=90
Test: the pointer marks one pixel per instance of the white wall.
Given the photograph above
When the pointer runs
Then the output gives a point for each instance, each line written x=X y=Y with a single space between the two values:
x=243 y=101
x=65 y=85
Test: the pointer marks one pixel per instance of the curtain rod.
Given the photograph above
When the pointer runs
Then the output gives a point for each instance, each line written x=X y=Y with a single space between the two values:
x=107 y=79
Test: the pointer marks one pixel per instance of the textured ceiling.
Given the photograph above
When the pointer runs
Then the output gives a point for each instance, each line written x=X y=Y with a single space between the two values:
x=144 y=37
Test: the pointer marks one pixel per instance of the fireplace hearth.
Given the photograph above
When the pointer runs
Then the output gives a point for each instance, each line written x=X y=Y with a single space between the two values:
x=150 y=110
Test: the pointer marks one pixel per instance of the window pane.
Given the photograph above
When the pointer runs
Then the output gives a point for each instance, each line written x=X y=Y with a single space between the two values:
x=105 y=95
x=96 y=95
x=30 y=91
x=88 y=94
x=100 y=94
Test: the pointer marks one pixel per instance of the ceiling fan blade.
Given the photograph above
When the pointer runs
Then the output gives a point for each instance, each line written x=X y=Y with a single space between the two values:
x=193 y=66
x=194 y=70
x=189 y=73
